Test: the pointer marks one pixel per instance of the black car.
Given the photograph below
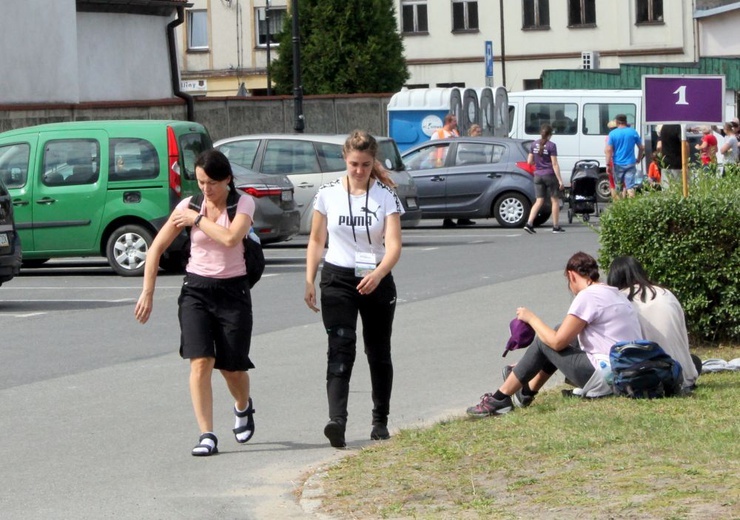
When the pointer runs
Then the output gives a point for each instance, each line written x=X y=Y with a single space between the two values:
x=10 y=242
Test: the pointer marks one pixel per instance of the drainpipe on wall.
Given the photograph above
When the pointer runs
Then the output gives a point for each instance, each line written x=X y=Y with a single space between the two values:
x=174 y=69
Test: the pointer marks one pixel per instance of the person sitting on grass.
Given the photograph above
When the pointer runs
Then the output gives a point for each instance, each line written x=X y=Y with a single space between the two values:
x=598 y=317
x=659 y=312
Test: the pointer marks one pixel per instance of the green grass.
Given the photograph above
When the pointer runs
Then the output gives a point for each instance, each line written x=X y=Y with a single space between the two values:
x=676 y=458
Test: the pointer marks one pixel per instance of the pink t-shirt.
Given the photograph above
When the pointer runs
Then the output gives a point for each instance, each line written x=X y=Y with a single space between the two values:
x=610 y=318
x=209 y=258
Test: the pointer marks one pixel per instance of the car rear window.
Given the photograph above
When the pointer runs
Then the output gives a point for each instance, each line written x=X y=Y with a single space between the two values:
x=132 y=159
x=389 y=155
x=14 y=164
x=241 y=152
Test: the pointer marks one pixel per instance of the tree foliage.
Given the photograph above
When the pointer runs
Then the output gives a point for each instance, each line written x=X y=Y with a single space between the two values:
x=347 y=47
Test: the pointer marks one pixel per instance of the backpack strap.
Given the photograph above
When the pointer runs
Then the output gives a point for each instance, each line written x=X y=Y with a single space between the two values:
x=196 y=202
x=232 y=201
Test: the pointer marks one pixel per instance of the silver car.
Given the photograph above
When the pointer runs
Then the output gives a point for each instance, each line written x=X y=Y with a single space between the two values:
x=475 y=177
x=312 y=160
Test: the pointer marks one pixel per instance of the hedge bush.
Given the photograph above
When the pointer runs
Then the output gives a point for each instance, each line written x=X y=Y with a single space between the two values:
x=689 y=245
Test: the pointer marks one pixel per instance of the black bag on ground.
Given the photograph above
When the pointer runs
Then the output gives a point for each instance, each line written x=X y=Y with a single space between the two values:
x=254 y=257
x=642 y=369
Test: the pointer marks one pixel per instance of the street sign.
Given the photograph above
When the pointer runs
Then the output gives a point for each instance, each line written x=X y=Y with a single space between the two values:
x=683 y=99
x=489 y=63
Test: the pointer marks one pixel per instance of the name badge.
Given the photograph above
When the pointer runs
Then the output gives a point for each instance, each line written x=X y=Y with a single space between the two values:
x=364 y=263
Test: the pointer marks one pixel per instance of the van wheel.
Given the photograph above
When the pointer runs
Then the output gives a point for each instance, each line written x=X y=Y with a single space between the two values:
x=127 y=248
x=511 y=210
x=603 y=192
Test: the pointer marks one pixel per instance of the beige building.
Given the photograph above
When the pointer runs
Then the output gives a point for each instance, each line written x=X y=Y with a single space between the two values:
x=444 y=40
x=224 y=45
x=224 y=42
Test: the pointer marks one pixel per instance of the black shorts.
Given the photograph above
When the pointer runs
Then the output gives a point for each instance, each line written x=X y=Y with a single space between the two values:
x=216 y=321
x=545 y=183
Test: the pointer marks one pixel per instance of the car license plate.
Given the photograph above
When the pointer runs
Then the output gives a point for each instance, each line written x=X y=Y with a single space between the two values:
x=3 y=240
x=286 y=196
x=411 y=203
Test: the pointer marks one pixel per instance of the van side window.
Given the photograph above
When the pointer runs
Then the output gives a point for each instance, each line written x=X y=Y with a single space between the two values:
x=596 y=116
x=241 y=152
x=14 y=164
x=69 y=162
x=563 y=117
x=132 y=159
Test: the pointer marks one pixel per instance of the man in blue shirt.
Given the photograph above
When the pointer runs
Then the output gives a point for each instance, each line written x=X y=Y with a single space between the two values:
x=620 y=155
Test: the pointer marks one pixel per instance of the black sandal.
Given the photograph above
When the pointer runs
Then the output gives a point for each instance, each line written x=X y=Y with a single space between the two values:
x=203 y=449
x=249 y=427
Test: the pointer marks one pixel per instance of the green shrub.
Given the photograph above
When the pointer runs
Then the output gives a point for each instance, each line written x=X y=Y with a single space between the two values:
x=689 y=245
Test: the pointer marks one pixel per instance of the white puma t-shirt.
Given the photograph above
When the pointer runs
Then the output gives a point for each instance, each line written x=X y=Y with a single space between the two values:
x=368 y=212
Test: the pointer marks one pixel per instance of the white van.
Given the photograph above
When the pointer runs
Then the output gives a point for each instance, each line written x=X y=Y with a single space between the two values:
x=579 y=120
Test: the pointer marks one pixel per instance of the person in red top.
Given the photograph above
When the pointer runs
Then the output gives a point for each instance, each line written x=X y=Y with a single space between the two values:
x=654 y=170
x=707 y=147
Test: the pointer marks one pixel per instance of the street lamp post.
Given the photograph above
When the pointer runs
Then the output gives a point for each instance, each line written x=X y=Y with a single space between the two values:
x=298 y=120
x=267 y=25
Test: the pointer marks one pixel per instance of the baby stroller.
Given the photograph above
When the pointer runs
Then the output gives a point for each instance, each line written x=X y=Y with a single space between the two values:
x=582 y=197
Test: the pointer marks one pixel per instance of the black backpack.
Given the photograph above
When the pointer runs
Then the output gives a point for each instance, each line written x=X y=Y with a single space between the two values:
x=642 y=369
x=254 y=258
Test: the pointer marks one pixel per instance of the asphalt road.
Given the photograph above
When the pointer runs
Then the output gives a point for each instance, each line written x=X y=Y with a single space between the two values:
x=95 y=410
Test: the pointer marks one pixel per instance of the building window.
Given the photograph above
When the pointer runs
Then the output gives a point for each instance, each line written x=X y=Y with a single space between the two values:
x=649 y=11
x=464 y=15
x=277 y=17
x=414 y=16
x=581 y=12
x=198 y=29
x=536 y=14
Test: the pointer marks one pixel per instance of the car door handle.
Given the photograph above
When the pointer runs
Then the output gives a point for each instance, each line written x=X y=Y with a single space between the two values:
x=437 y=178
x=46 y=201
x=20 y=202
x=494 y=175
x=305 y=185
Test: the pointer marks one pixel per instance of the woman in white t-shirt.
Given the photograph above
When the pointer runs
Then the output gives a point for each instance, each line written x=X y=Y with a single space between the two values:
x=598 y=317
x=215 y=305
x=661 y=316
x=360 y=215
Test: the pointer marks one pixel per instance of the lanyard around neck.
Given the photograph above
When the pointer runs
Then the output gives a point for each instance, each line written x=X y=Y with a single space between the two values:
x=351 y=217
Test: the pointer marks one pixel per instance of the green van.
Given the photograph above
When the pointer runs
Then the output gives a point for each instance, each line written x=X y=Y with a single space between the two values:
x=99 y=188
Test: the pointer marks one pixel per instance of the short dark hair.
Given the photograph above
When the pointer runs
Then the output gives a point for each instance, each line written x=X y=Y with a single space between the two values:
x=621 y=118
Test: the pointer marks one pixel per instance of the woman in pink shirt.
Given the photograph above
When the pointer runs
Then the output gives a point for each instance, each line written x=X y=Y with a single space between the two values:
x=598 y=317
x=215 y=305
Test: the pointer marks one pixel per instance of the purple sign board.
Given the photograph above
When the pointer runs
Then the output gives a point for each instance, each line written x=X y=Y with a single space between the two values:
x=683 y=99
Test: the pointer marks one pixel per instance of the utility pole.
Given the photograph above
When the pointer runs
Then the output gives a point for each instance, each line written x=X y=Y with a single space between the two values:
x=267 y=25
x=298 y=122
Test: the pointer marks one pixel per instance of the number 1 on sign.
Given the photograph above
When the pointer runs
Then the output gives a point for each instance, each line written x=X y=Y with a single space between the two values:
x=681 y=91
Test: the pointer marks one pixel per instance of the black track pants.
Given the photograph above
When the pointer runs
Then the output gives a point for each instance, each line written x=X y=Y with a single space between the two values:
x=340 y=305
